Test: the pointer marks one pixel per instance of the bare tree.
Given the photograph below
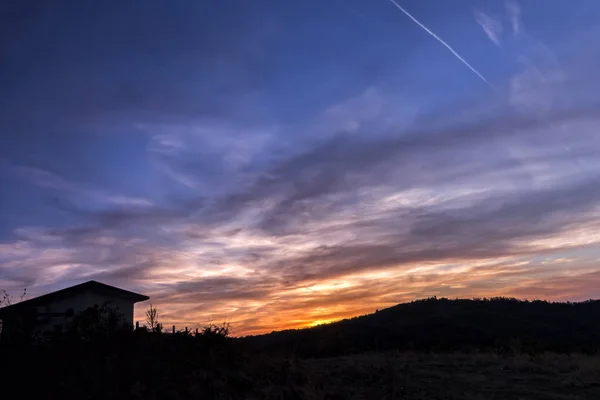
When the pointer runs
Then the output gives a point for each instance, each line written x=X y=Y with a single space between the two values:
x=152 y=319
x=6 y=299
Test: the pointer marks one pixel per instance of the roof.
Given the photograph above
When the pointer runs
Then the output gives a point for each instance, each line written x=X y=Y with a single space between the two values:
x=71 y=291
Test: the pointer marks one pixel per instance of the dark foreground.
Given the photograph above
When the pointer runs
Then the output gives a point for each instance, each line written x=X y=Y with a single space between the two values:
x=185 y=368
x=476 y=376
x=500 y=349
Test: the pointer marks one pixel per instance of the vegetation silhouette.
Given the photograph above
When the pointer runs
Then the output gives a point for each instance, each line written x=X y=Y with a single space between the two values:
x=402 y=349
x=152 y=319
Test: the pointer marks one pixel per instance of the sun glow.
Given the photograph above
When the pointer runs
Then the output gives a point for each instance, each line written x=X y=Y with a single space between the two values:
x=322 y=322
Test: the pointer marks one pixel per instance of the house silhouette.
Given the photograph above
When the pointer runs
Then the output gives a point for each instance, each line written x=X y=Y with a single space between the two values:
x=56 y=310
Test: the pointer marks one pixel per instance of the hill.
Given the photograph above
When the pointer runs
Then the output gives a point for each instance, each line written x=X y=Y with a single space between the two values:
x=497 y=324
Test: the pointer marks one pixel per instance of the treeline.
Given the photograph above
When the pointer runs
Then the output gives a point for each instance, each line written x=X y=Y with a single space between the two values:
x=501 y=325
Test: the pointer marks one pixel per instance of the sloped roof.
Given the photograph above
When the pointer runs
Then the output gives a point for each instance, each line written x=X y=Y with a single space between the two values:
x=71 y=291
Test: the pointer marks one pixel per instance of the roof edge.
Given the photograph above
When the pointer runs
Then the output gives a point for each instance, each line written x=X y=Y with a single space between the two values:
x=73 y=290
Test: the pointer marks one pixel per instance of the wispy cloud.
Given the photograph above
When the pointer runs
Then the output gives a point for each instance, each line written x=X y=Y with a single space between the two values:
x=491 y=26
x=533 y=86
x=514 y=14
x=63 y=187
x=315 y=232
x=375 y=110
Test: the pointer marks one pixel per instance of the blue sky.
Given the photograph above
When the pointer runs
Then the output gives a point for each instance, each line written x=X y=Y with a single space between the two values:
x=278 y=163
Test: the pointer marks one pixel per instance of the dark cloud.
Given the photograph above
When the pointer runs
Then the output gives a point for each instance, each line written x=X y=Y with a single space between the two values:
x=462 y=154
x=119 y=59
x=492 y=227
x=335 y=177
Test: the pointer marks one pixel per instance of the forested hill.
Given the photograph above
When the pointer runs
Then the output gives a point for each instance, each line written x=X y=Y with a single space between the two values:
x=498 y=324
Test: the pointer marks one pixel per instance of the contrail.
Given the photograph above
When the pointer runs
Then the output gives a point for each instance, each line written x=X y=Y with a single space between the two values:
x=436 y=37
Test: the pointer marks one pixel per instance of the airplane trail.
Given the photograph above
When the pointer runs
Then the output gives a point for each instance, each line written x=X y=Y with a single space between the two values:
x=436 y=37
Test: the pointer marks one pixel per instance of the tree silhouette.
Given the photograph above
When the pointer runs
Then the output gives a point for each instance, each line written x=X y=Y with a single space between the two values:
x=152 y=319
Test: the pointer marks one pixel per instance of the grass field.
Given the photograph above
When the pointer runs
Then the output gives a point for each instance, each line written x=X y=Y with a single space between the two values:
x=442 y=376
x=161 y=367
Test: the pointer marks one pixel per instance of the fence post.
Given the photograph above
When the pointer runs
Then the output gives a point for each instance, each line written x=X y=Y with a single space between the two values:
x=173 y=328
x=137 y=325
x=186 y=331
x=196 y=332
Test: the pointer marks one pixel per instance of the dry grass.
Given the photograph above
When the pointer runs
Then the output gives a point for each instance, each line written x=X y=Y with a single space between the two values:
x=451 y=376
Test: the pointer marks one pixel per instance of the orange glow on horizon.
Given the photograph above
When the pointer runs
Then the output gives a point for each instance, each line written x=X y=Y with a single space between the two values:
x=331 y=300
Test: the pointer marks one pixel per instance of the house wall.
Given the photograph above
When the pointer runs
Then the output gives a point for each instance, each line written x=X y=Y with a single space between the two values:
x=61 y=312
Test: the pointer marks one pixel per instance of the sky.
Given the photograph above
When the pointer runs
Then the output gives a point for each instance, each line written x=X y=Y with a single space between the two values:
x=280 y=164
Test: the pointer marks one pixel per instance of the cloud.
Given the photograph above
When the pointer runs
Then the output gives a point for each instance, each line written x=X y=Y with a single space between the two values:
x=65 y=188
x=327 y=177
x=492 y=27
x=534 y=85
x=514 y=14
x=221 y=150
x=347 y=209
x=374 y=110
x=73 y=84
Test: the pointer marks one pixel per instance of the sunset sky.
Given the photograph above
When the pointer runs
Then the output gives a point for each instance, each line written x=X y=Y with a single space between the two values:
x=280 y=164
